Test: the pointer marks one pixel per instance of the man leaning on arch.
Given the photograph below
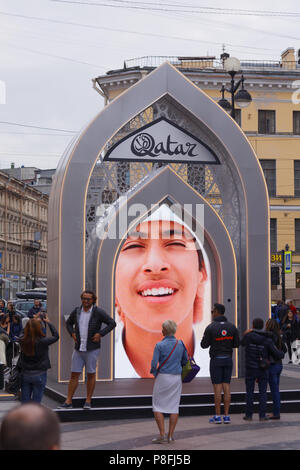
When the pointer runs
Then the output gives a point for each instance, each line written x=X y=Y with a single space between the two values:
x=85 y=326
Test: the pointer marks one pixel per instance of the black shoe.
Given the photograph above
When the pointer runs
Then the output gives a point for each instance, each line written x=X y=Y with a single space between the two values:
x=66 y=406
x=247 y=418
x=264 y=418
x=274 y=417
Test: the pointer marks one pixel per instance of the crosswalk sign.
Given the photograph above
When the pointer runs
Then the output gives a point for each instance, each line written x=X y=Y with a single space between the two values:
x=287 y=261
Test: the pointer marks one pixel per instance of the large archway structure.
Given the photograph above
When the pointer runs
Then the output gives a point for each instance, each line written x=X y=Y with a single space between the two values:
x=240 y=220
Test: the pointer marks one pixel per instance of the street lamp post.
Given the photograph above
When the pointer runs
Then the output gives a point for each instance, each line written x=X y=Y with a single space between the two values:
x=242 y=98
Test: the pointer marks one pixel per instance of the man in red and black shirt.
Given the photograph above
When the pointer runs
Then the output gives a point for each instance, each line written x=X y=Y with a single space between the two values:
x=221 y=337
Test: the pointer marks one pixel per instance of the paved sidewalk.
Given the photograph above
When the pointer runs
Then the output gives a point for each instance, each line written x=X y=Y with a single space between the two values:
x=191 y=433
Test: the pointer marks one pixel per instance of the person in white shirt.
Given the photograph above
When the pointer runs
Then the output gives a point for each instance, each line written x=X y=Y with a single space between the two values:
x=85 y=326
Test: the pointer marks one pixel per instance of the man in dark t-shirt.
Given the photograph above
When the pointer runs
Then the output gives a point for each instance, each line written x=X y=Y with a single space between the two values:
x=221 y=337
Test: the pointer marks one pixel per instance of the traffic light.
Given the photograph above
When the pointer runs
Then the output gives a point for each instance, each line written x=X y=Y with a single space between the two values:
x=275 y=277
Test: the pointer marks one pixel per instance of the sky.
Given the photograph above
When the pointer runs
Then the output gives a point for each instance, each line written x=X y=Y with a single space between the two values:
x=50 y=50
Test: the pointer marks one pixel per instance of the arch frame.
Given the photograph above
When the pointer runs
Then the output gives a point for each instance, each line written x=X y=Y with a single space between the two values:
x=66 y=240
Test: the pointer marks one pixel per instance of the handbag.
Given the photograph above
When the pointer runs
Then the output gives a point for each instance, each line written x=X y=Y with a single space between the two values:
x=13 y=385
x=189 y=370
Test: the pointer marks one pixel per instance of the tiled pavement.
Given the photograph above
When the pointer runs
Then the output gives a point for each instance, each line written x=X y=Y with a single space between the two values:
x=191 y=433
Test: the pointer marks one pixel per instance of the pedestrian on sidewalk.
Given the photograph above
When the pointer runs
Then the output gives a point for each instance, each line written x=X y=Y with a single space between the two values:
x=289 y=331
x=85 y=326
x=275 y=368
x=171 y=355
x=221 y=337
x=258 y=347
x=34 y=359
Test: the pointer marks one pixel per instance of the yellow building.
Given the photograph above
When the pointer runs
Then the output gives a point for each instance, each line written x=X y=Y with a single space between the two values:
x=271 y=122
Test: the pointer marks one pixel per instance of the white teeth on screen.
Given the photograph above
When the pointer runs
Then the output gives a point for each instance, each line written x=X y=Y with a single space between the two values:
x=157 y=291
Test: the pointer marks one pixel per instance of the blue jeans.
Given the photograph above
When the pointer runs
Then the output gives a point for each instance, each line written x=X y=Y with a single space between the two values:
x=251 y=376
x=33 y=387
x=273 y=379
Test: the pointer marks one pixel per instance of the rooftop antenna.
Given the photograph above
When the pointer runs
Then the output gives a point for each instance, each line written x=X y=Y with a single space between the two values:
x=224 y=55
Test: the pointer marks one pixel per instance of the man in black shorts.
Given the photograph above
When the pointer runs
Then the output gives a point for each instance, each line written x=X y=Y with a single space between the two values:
x=221 y=337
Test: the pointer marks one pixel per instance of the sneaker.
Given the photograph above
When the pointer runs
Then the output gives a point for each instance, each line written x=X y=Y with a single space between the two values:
x=159 y=440
x=66 y=406
x=215 y=420
x=226 y=420
x=247 y=418
x=87 y=406
x=171 y=440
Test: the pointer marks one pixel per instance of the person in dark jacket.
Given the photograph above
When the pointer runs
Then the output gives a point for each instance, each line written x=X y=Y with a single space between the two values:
x=33 y=312
x=34 y=359
x=221 y=337
x=289 y=331
x=85 y=326
x=259 y=347
x=275 y=368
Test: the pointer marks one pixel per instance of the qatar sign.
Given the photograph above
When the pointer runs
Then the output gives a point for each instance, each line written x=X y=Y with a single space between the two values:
x=163 y=141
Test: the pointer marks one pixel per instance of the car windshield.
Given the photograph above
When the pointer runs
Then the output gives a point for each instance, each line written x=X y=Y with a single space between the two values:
x=26 y=306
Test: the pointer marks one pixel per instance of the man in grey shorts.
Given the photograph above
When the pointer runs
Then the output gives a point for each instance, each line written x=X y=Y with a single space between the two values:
x=85 y=326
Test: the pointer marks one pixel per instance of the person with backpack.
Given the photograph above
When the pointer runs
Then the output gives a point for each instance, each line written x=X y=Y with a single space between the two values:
x=258 y=348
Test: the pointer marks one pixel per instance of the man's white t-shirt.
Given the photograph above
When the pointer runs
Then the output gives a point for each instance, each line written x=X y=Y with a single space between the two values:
x=84 y=320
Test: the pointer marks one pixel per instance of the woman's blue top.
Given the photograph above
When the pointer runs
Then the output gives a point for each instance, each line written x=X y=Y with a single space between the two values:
x=162 y=350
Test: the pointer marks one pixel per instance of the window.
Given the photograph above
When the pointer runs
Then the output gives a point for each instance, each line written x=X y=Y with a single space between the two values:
x=266 y=122
x=297 y=280
x=296 y=122
x=297 y=235
x=269 y=169
x=297 y=178
x=273 y=235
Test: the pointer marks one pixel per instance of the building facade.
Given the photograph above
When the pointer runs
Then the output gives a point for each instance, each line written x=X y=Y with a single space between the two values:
x=23 y=236
x=271 y=123
x=40 y=179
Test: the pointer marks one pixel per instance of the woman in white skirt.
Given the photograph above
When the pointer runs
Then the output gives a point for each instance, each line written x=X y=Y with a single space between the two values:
x=168 y=358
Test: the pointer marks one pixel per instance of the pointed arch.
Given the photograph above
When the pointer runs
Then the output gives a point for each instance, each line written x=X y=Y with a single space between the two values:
x=67 y=205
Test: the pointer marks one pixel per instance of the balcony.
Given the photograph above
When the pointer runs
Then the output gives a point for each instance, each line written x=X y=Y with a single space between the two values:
x=31 y=245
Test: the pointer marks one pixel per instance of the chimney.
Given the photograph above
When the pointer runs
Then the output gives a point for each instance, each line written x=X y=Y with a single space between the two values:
x=288 y=60
x=12 y=165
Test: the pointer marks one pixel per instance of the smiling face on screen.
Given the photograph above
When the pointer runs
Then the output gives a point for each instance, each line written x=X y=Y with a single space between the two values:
x=158 y=275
